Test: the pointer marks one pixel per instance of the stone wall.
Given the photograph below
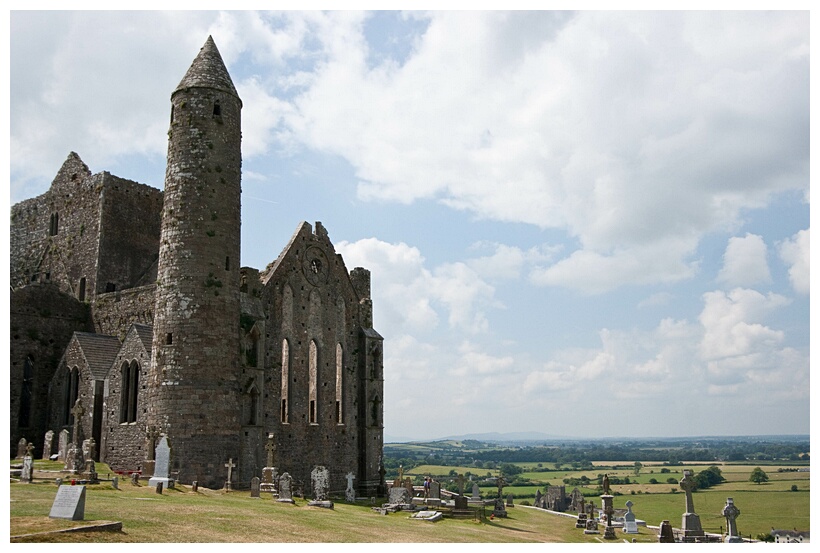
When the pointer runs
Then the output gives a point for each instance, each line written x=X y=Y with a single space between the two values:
x=123 y=443
x=116 y=311
x=129 y=235
x=42 y=320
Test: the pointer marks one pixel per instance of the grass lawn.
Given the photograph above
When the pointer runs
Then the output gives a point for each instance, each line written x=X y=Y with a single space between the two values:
x=182 y=516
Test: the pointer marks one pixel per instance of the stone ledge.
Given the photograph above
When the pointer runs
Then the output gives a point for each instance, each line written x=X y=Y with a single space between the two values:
x=101 y=526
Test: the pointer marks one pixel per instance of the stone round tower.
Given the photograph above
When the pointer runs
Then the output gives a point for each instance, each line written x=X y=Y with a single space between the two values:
x=193 y=390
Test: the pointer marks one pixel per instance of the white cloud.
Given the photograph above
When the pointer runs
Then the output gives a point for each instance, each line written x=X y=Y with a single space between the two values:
x=795 y=253
x=744 y=262
x=412 y=297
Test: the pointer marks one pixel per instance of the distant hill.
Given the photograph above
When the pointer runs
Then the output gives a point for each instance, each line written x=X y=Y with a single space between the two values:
x=531 y=438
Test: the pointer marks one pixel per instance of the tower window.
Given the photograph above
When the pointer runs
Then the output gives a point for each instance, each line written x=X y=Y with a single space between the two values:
x=53 y=224
x=217 y=109
x=82 y=289
x=227 y=263
x=169 y=338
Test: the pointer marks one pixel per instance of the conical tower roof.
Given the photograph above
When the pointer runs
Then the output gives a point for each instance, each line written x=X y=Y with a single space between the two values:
x=208 y=71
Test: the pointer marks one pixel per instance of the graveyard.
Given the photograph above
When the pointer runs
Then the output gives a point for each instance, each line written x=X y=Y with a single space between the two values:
x=131 y=510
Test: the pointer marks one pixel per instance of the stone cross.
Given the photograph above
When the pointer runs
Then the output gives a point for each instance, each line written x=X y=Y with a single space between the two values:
x=688 y=485
x=270 y=447
x=77 y=411
x=460 y=481
x=731 y=513
x=500 y=482
x=30 y=450
x=230 y=465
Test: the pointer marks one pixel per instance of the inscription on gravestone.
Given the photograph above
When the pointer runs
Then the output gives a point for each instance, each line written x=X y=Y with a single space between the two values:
x=69 y=503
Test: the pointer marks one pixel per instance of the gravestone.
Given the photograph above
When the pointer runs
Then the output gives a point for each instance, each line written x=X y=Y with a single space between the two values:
x=435 y=490
x=581 y=522
x=691 y=521
x=630 y=523
x=195 y=486
x=510 y=500
x=149 y=463
x=159 y=488
x=608 y=509
x=499 y=509
x=89 y=468
x=269 y=479
x=69 y=503
x=285 y=489
x=320 y=482
x=592 y=526
x=62 y=445
x=27 y=473
x=135 y=479
x=350 y=493
x=255 y=486
x=77 y=411
x=48 y=445
x=730 y=512
x=162 y=465
x=665 y=534
x=21 y=448
x=398 y=496
x=230 y=465
x=73 y=459
x=476 y=492
x=408 y=484
x=115 y=483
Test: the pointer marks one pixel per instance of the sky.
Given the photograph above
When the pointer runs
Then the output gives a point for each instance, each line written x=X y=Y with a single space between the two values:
x=585 y=224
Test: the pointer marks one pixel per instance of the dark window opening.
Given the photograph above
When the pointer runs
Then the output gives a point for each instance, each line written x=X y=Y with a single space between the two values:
x=110 y=287
x=284 y=411
x=312 y=411
x=338 y=412
x=34 y=277
x=23 y=417
x=169 y=338
x=48 y=276
x=172 y=114
x=128 y=391
x=82 y=289
x=217 y=109
x=227 y=263
x=53 y=224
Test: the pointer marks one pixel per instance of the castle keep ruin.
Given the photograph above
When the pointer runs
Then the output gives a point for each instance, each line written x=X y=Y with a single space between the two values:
x=132 y=301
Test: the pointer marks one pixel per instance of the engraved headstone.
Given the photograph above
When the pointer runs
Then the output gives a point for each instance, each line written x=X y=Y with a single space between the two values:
x=162 y=465
x=21 y=448
x=690 y=523
x=28 y=469
x=630 y=523
x=499 y=509
x=665 y=534
x=135 y=479
x=592 y=526
x=285 y=488
x=269 y=479
x=69 y=503
x=320 y=482
x=48 y=444
x=350 y=493
x=435 y=490
x=159 y=488
x=255 y=486
x=73 y=459
x=731 y=512
x=510 y=500
x=62 y=445
x=476 y=491
x=398 y=496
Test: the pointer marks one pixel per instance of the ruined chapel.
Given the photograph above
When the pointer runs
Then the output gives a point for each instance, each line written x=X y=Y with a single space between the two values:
x=132 y=301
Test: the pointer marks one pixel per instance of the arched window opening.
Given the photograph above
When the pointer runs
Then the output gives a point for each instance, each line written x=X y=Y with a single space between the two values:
x=129 y=390
x=71 y=390
x=53 y=224
x=339 y=383
x=253 y=407
x=82 y=289
x=313 y=370
x=24 y=415
x=284 y=415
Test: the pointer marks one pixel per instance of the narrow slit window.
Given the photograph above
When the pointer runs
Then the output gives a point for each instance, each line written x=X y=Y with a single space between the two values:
x=169 y=338
x=217 y=109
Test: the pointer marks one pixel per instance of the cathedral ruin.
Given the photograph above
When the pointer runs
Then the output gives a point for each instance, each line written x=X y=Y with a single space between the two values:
x=132 y=300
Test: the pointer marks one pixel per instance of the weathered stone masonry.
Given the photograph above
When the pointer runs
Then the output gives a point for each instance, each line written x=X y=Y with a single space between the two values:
x=190 y=344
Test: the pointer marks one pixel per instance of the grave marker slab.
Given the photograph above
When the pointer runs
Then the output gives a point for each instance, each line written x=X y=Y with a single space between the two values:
x=69 y=503
x=320 y=482
x=48 y=444
x=62 y=445
x=350 y=493
x=162 y=465
x=630 y=523
x=285 y=488
x=28 y=469
x=255 y=486
x=21 y=448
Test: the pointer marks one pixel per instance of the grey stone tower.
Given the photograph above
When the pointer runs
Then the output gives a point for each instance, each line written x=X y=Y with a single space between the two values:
x=193 y=389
